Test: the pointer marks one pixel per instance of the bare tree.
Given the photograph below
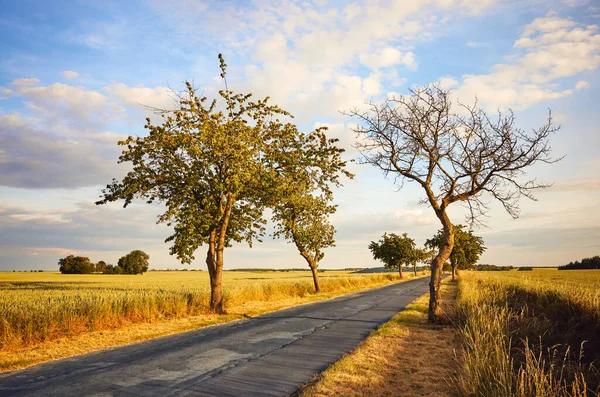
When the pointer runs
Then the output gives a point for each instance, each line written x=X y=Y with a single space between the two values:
x=463 y=156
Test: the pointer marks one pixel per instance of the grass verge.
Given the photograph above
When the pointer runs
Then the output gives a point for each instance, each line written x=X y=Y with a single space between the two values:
x=263 y=298
x=404 y=357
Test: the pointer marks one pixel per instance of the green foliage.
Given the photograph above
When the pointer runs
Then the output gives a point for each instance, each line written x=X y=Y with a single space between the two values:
x=100 y=267
x=135 y=262
x=75 y=265
x=492 y=268
x=112 y=269
x=304 y=220
x=524 y=268
x=467 y=246
x=216 y=171
x=395 y=251
x=586 y=263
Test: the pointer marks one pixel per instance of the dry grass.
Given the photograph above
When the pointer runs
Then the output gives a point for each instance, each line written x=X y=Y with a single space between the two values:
x=404 y=357
x=50 y=316
x=522 y=333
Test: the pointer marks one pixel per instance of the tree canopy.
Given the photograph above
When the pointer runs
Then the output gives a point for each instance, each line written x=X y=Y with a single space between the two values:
x=75 y=265
x=395 y=251
x=467 y=250
x=135 y=262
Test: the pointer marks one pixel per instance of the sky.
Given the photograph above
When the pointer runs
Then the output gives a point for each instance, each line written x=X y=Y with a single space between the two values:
x=75 y=76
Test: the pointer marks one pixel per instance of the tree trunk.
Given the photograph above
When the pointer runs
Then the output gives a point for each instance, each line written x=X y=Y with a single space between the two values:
x=437 y=265
x=313 y=268
x=400 y=270
x=453 y=265
x=415 y=269
x=214 y=263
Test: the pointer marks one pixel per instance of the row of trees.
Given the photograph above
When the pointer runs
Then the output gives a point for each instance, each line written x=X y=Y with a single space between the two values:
x=396 y=251
x=586 y=263
x=216 y=171
x=136 y=262
x=216 y=167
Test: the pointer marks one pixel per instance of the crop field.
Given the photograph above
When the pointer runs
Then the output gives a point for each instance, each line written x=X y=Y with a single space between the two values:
x=40 y=307
x=529 y=333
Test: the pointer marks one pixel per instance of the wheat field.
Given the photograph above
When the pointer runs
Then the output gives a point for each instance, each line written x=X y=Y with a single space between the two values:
x=38 y=307
x=529 y=334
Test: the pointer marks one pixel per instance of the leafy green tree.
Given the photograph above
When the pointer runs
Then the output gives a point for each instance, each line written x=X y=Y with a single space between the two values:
x=394 y=251
x=304 y=220
x=100 y=267
x=75 y=265
x=215 y=171
x=456 y=156
x=135 y=262
x=467 y=249
x=302 y=209
x=420 y=255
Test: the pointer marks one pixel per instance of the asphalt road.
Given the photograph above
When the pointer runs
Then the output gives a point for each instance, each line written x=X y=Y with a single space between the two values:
x=270 y=355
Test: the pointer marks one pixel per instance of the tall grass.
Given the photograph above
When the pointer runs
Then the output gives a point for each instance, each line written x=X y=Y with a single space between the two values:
x=35 y=308
x=529 y=336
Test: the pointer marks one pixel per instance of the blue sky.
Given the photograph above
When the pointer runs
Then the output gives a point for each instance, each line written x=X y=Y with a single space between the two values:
x=74 y=74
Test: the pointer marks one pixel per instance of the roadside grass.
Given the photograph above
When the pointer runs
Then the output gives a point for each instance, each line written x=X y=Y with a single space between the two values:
x=46 y=317
x=404 y=357
x=533 y=335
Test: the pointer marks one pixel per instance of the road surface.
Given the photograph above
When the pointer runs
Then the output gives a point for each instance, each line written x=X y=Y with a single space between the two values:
x=269 y=355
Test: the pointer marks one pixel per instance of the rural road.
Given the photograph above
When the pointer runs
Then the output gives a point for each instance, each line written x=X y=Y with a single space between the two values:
x=270 y=355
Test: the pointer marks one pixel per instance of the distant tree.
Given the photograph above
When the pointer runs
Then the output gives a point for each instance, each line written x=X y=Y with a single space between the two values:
x=421 y=255
x=525 y=268
x=135 y=262
x=466 y=251
x=216 y=171
x=304 y=220
x=100 y=267
x=75 y=265
x=394 y=251
x=454 y=156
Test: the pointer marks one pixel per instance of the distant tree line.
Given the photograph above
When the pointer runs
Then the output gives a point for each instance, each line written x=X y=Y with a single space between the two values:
x=486 y=267
x=586 y=263
x=136 y=262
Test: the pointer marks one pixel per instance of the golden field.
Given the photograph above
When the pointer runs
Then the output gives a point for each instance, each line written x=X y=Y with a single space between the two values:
x=529 y=333
x=39 y=311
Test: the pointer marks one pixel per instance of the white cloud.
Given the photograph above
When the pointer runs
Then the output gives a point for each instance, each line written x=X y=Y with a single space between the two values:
x=69 y=74
x=66 y=104
x=448 y=82
x=387 y=57
x=306 y=53
x=554 y=48
x=581 y=85
x=140 y=96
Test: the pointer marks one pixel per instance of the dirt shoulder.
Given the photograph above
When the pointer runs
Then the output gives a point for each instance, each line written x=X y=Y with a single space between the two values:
x=404 y=357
